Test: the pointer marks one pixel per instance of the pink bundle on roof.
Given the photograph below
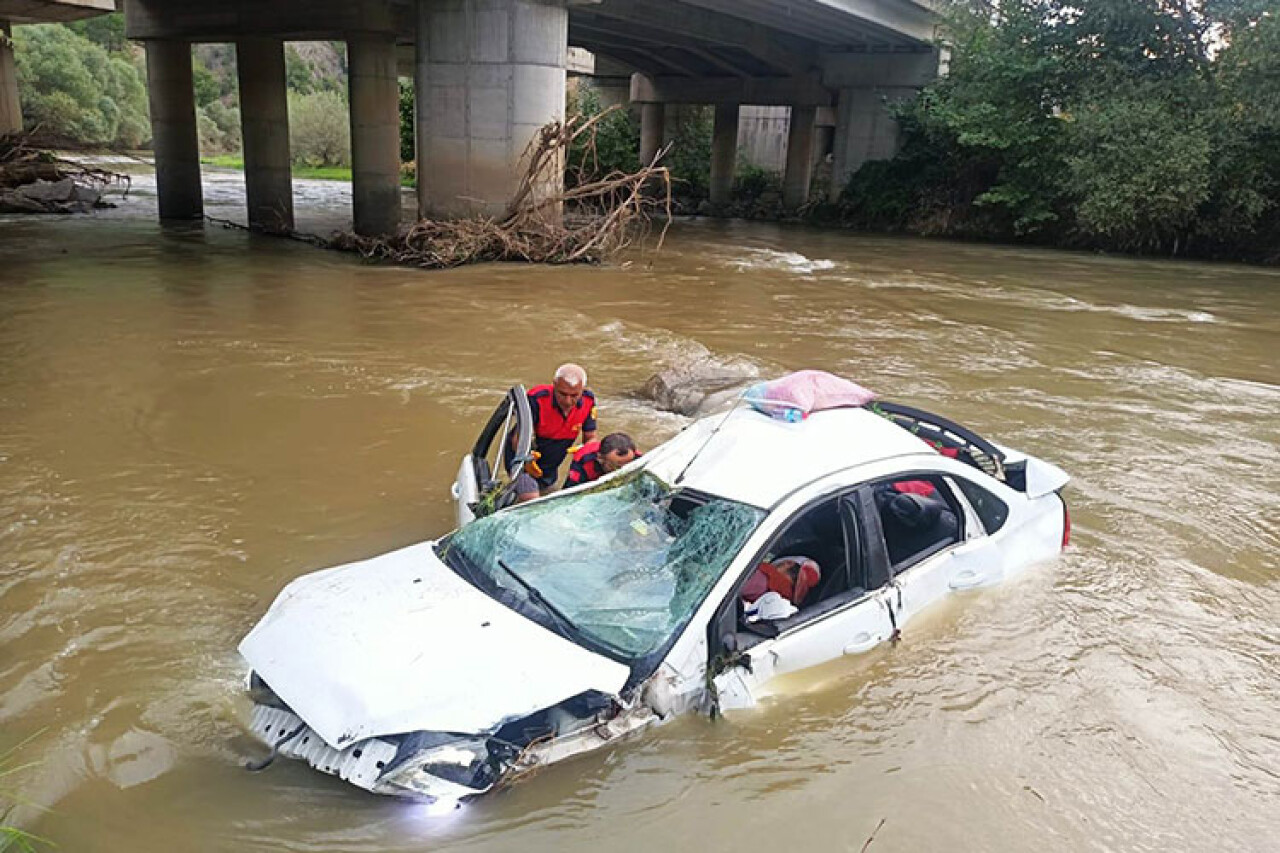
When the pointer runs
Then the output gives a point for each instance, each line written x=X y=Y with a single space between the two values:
x=798 y=394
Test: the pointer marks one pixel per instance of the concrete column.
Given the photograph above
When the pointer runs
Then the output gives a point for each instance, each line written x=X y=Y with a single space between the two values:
x=490 y=74
x=865 y=130
x=724 y=153
x=652 y=131
x=264 y=129
x=799 y=171
x=375 y=134
x=10 y=108
x=823 y=139
x=174 y=139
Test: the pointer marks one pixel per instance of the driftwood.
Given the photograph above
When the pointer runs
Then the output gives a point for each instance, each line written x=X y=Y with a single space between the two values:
x=596 y=217
x=35 y=180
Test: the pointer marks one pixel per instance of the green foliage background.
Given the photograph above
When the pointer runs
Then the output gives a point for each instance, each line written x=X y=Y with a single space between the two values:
x=86 y=83
x=73 y=87
x=1131 y=125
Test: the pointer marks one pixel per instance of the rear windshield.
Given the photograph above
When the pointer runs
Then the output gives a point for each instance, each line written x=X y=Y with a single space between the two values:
x=619 y=568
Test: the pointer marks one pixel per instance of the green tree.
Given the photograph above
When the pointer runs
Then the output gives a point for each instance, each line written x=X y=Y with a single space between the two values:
x=297 y=72
x=1137 y=172
x=1139 y=125
x=206 y=86
x=74 y=88
x=690 y=156
x=407 y=152
x=106 y=31
x=615 y=147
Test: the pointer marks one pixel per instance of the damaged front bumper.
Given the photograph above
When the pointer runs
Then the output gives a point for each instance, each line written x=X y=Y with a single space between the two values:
x=379 y=765
x=450 y=768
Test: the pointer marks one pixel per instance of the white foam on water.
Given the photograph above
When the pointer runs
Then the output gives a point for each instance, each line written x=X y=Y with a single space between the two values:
x=788 y=261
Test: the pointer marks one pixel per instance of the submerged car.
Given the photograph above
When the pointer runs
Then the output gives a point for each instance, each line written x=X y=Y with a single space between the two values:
x=539 y=631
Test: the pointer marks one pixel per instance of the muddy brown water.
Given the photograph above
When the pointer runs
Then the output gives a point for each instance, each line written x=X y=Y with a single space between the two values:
x=190 y=418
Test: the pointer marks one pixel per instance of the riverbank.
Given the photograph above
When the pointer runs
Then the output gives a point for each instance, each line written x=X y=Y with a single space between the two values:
x=318 y=173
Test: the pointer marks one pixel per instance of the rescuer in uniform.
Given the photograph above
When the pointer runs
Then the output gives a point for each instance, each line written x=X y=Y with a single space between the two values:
x=561 y=412
x=597 y=458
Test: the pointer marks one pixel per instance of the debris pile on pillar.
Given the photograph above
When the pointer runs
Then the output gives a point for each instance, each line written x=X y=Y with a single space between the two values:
x=596 y=218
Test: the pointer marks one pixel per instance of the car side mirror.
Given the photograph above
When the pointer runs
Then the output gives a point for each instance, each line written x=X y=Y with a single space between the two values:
x=730 y=642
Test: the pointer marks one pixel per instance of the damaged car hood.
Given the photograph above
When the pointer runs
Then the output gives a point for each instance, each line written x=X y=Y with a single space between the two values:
x=400 y=643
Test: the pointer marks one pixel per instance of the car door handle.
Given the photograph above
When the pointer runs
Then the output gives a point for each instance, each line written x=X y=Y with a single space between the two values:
x=967 y=579
x=861 y=642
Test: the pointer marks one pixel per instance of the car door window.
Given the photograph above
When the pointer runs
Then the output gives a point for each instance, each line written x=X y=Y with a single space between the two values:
x=824 y=537
x=501 y=450
x=811 y=547
x=918 y=517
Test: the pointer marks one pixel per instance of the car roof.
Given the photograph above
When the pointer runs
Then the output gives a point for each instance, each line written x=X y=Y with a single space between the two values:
x=751 y=457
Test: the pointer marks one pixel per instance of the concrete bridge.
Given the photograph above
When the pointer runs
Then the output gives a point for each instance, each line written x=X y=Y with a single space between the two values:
x=489 y=73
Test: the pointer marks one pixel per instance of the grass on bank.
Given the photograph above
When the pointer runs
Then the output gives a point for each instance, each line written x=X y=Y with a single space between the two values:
x=322 y=173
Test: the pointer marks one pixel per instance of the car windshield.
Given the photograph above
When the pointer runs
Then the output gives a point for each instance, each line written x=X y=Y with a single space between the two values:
x=624 y=565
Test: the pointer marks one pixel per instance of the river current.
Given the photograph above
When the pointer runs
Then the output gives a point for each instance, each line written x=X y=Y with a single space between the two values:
x=190 y=417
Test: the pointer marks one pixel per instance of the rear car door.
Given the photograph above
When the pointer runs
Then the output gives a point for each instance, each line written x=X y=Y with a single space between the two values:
x=486 y=476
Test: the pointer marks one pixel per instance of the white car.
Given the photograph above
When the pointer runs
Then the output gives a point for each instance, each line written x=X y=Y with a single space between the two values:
x=544 y=630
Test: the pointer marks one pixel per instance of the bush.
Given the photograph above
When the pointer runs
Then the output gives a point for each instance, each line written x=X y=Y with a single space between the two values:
x=750 y=182
x=319 y=130
x=219 y=128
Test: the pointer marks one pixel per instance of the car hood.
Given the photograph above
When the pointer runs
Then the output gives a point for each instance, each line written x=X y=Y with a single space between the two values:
x=400 y=643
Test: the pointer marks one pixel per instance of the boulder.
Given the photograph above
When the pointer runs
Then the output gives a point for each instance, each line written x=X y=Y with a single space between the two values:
x=697 y=388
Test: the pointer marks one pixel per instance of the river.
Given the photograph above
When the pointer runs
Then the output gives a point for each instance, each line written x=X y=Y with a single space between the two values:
x=191 y=417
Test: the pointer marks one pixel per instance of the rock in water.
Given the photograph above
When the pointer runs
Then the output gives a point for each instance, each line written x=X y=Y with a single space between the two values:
x=696 y=389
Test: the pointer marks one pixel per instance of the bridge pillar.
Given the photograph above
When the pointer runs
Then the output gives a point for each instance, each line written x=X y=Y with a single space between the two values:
x=490 y=74
x=10 y=108
x=799 y=168
x=865 y=130
x=869 y=85
x=374 y=95
x=652 y=131
x=264 y=130
x=174 y=139
x=724 y=153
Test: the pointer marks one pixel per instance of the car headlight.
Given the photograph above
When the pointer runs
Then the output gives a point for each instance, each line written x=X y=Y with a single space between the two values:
x=458 y=762
x=458 y=768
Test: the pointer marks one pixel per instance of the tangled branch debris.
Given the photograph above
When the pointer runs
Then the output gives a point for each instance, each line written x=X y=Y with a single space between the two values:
x=586 y=222
x=35 y=180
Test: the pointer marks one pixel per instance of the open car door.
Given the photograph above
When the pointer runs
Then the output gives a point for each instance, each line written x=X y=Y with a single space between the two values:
x=485 y=481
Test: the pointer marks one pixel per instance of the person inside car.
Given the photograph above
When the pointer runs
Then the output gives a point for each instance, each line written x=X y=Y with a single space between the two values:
x=778 y=587
x=597 y=458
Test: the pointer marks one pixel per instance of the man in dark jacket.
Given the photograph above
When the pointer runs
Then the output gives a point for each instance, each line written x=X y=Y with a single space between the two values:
x=597 y=458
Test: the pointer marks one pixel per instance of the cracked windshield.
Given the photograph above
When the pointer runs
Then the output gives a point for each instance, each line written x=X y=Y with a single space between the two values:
x=624 y=565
